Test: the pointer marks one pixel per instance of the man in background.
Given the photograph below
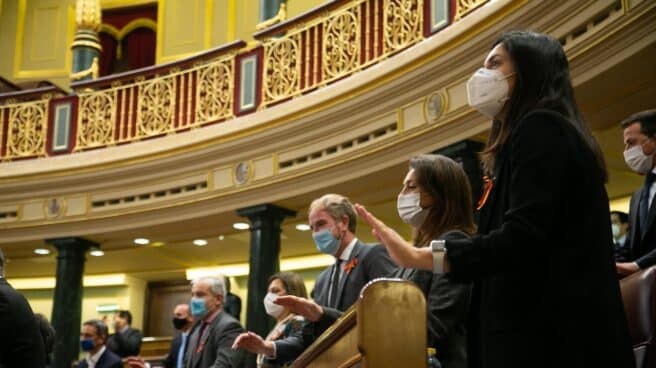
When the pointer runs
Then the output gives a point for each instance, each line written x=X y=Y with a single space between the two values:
x=211 y=338
x=125 y=341
x=232 y=303
x=93 y=337
x=182 y=322
x=620 y=224
x=20 y=340
x=639 y=152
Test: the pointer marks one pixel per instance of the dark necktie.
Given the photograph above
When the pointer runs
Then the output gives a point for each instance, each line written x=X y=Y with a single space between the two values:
x=334 y=285
x=644 y=202
x=199 y=342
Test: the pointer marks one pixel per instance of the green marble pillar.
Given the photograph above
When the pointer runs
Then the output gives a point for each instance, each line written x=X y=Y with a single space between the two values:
x=264 y=261
x=67 y=303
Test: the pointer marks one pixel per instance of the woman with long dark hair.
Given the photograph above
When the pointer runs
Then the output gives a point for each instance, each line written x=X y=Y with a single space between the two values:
x=545 y=291
x=436 y=201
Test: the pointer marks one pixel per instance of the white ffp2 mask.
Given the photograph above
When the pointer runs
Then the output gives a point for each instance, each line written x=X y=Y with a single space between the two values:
x=487 y=91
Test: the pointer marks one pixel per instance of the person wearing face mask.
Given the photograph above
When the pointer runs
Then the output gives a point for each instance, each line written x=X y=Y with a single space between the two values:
x=333 y=221
x=182 y=322
x=436 y=202
x=287 y=323
x=620 y=226
x=211 y=338
x=639 y=151
x=539 y=299
x=93 y=337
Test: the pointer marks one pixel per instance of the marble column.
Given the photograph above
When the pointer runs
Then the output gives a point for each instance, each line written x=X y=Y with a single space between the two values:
x=264 y=261
x=67 y=304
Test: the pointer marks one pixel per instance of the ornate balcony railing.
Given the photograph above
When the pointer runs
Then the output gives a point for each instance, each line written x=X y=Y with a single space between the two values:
x=24 y=122
x=153 y=102
x=319 y=47
x=325 y=49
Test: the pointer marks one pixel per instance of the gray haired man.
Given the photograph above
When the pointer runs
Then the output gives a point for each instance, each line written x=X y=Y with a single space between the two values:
x=215 y=330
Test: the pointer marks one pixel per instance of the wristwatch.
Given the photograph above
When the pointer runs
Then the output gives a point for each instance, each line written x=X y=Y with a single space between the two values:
x=438 y=248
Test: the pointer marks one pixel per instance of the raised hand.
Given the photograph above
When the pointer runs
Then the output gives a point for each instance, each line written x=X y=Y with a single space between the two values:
x=254 y=343
x=301 y=306
x=401 y=252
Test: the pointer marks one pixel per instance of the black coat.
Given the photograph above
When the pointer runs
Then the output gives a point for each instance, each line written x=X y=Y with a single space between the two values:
x=372 y=262
x=21 y=344
x=107 y=360
x=545 y=291
x=447 y=305
x=172 y=357
x=641 y=244
x=125 y=344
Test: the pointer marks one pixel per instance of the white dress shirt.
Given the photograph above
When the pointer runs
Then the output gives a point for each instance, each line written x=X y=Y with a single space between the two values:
x=93 y=359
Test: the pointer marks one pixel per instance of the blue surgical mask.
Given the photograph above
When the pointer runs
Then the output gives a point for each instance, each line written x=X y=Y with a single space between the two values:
x=198 y=309
x=87 y=344
x=326 y=242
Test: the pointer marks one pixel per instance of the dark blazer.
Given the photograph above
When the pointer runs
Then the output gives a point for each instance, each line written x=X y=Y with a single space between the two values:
x=172 y=357
x=21 y=344
x=126 y=343
x=107 y=360
x=216 y=343
x=545 y=291
x=372 y=262
x=641 y=244
x=232 y=305
x=447 y=303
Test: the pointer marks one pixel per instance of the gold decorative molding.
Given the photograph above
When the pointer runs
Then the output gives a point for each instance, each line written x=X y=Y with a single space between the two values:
x=88 y=15
x=92 y=71
x=341 y=43
x=28 y=129
x=281 y=16
x=402 y=23
x=464 y=7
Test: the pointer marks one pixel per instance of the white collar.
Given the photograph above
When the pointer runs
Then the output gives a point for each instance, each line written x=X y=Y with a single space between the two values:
x=93 y=359
x=346 y=254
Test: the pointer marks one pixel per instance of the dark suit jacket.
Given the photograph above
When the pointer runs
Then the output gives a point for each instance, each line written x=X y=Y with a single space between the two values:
x=126 y=343
x=172 y=358
x=545 y=292
x=641 y=244
x=232 y=305
x=217 y=342
x=447 y=303
x=372 y=262
x=107 y=360
x=21 y=344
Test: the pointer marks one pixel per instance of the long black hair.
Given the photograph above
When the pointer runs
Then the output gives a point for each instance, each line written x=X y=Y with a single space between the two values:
x=542 y=81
